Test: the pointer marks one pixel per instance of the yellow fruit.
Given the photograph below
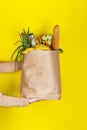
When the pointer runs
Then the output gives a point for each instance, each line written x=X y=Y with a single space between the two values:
x=28 y=50
x=42 y=47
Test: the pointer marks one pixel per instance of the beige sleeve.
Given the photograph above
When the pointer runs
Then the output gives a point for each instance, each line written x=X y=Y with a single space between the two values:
x=6 y=67
x=12 y=101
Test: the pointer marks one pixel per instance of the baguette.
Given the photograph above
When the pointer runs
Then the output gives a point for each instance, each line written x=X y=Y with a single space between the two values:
x=55 y=38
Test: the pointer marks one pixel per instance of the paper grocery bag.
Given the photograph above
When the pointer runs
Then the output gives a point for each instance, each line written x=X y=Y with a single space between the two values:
x=41 y=75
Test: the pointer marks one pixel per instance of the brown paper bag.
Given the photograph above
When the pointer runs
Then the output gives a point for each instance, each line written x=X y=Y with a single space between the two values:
x=41 y=75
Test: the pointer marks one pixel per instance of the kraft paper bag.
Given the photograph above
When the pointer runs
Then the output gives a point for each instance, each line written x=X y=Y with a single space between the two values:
x=41 y=75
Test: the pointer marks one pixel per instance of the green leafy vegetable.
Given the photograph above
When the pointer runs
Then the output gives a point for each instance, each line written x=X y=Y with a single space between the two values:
x=26 y=42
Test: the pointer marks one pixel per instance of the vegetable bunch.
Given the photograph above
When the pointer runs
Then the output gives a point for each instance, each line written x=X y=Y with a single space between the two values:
x=29 y=43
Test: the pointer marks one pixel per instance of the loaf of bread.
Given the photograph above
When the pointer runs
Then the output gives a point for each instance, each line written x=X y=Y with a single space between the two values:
x=55 y=38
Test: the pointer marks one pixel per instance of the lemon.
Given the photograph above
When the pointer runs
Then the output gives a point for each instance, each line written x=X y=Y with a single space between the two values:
x=42 y=47
x=28 y=50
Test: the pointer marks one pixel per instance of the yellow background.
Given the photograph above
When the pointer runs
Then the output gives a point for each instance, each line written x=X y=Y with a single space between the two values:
x=70 y=113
